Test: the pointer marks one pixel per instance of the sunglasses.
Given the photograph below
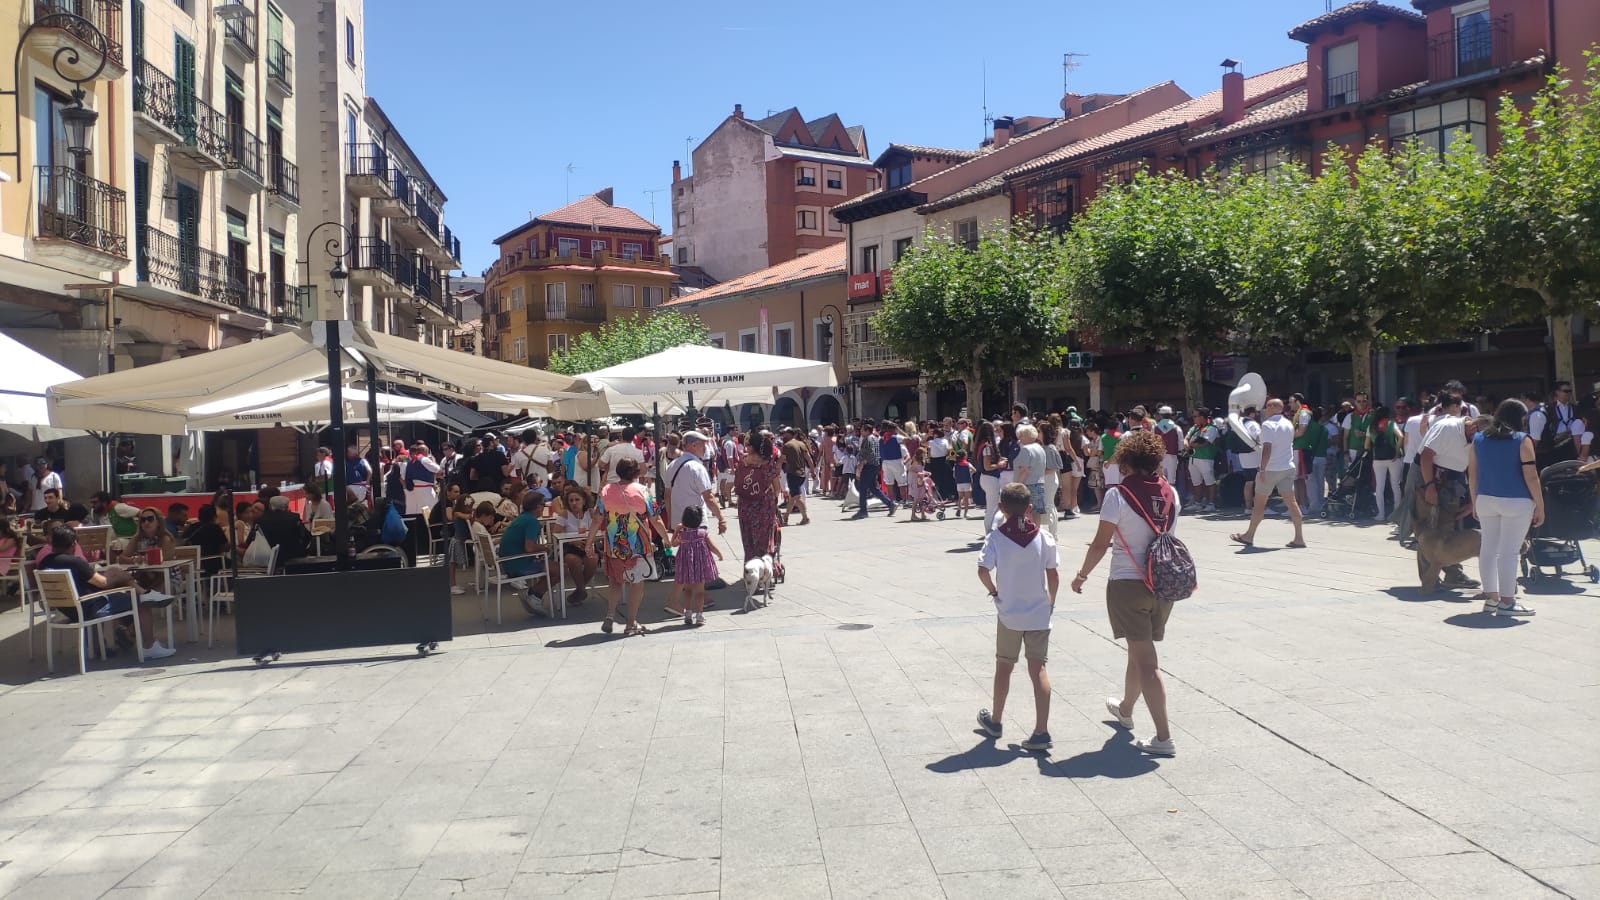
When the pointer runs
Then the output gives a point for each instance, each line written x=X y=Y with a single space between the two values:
x=148 y=519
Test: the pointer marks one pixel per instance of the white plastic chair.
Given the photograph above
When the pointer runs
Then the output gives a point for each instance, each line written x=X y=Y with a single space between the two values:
x=222 y=591
x=494 y=573
x=58 y=592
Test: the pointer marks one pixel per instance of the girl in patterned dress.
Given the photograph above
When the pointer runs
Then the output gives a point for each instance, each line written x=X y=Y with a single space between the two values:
x=695 y=564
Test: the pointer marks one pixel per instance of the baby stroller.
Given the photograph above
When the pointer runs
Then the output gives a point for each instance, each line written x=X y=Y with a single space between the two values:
x=1569 y=517
x=928 y=501
x=1352 y=498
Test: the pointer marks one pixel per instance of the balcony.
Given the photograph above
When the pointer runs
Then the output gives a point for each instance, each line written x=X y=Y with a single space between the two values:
x=155 y=104
x=202 y=133
x=283 y=180
x=1473 y=47
x=243 y=158
x=168 y=265
x=76 y=47
x=280 y=68
x=81 y=220
x=1343 y=89
x=426 y=283
x=239 y=28
x=376 y=265
x=863 y=352
x=369 y=172
x=521 y=259
x=288 y=303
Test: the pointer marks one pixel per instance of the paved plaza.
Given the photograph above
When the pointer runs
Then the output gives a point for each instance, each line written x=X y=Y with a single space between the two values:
x=1340 y=736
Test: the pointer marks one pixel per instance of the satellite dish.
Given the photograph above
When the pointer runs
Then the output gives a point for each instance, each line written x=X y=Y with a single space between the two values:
x=1251 y=393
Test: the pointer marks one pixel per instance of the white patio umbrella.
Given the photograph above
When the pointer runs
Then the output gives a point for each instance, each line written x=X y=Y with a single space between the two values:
x=29 y=374
x=306 y=409
x=694 y=376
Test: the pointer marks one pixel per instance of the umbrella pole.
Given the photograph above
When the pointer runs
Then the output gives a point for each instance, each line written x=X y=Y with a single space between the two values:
x=375 y=480
x=655 y=416
x=341 y=512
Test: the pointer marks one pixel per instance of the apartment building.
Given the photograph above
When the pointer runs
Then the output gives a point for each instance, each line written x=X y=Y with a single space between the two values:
x=762 y=191
x=356 y=170
x=570 y=271
x=790 y=309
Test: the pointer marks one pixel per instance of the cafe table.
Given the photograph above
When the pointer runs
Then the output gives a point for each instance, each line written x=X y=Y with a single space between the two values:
x=190 y=597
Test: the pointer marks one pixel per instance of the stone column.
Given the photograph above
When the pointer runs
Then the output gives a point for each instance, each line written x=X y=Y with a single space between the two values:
x=1385 y=378
x=1099 y=396
x=924 y=398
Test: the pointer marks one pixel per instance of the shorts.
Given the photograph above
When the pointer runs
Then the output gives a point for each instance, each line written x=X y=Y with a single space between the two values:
x=797 y=483
x=964 y=488
x=1280 y=480
x=1249 y=474
x=1135 y=613
x=626 y=571
x=1010 y=643
x=1096 y=480
x=724 y=478
x=838 y=471
x=100 y=607
x=1202 y=471
x=1036 y=491
x=523 y=568
x=894 y=472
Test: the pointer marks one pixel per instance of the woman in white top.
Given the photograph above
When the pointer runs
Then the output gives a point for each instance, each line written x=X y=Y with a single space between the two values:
x=1143 y=496
x=317 y=506
x=586 y=465
x=575 y=517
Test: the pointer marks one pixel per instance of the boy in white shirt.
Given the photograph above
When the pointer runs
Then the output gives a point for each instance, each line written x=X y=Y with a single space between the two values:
x=1018 y=567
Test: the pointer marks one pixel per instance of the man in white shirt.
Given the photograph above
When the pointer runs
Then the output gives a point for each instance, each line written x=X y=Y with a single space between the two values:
x=1250 y=463
x=1276 y=473
x=621 y=450
x=535 y=459
x=1443 y=461
x=689 y=484
x=44 y=480
x=1556 y=428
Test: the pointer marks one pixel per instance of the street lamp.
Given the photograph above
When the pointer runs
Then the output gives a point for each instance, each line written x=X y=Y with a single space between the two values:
x=78 y=120
x=338 y=276
x=340 y=247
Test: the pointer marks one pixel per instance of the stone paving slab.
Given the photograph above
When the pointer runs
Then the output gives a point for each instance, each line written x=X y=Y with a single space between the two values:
x=1341 y=736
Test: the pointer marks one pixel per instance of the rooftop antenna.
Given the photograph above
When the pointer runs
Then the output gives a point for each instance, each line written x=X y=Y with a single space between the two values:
x=988 y=120
x=1069 y=62
x=688 y=150
x=570 y=169
x=652 y=194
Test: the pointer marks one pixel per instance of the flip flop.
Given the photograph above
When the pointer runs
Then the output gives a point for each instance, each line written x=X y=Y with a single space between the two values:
x=1296 y=545
x=1239 y=539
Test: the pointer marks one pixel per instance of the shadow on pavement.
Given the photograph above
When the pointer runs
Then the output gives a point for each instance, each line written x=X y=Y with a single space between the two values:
x=1116 y=758
x=1483 y=620
x=1549 y=585
x=985 y=755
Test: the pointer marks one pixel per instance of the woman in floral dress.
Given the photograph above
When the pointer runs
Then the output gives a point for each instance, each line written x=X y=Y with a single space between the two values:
x=758 y=482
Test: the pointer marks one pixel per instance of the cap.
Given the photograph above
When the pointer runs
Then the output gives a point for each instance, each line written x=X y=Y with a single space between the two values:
x=1164 y=411
x=689 y=436
x=490 y=436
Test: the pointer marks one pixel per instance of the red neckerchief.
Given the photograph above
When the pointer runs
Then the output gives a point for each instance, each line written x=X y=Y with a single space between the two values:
x=1150 y=492
x=1020 y=529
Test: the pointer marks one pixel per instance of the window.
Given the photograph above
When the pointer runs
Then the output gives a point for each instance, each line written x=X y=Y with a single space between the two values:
x=350 y=135
x=1267 y=160
x=681 y=218
x=653 y=295
x=683 y=256
x=516 y=298
x=834 y=224
x=1474 y=38
x=869 y=258
x=632 y=251
x=900 y=175
x=1052 y=201
x=835 y=179
x=902 y=246
x=805 y=220
x=806 y=176
x=783 y=340
x=555 y=300
x=349 y=42
x=50 y=144
x=967 y=233
x=597 y=247
x=1437 y=126
x=519 y=349
x=586 y=295
x=719 y=341
x=747 y=340
x=622 y=296
x=872 y=182
x=565 y=246
x=1121 y=172
x=1343 y=74
x=555 y=343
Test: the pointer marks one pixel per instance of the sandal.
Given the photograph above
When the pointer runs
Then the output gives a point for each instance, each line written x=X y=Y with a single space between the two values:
x=632 y=630
x=1239 y=539
x=1296 y=545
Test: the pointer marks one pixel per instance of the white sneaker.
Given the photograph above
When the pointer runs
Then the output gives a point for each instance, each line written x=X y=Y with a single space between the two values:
x=157 y=651
x=1156 y=747
x=457 y=590
x=154 y=597
x=1114 y=707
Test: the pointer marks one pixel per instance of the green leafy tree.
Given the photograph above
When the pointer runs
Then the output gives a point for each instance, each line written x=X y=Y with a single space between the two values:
x=1544 y=223
x=629 y=339
x=977 y=316
x=1156 y=262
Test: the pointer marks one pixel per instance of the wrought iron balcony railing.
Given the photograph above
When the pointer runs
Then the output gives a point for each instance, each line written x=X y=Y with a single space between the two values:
x=283 y=176
x=168 y=262
x=287 y=303
x=77 y=208
x=369 y=159
x=104 y=15
x=239 y=25
x=202 y=127
x=244 y=151
x=1343 y=89
x=1474 y=45
x=280 y=65
x=155 y=94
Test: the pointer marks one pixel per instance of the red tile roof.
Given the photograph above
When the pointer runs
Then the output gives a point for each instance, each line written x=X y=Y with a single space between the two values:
x=1257 y=88
x=827 y=261
x=1279 y=109
x=593 y=212
x=1361 y=10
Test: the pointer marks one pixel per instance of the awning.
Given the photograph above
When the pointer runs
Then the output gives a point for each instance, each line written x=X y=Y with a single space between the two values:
x=306 y=408
x=458 y=419
x=713 y=375
x=29 y=374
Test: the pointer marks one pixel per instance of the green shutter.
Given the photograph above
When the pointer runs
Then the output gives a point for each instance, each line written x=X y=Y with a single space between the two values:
x=274 y=118
x=275 y=242
x=274 y=26
x=136 y=23
x=237 y=227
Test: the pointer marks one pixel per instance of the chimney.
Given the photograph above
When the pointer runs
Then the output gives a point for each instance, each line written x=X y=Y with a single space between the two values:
x=1002 y=131
x=604 y=196
x=1232 y=92
x=738 y=110
x=677 y=172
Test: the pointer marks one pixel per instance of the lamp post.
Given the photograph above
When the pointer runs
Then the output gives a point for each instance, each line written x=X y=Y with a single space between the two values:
x=339 y=250
x=76 y=120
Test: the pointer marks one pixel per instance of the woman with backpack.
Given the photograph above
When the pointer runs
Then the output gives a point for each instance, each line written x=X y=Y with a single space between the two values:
x=1148 y=563
x=1388 y=448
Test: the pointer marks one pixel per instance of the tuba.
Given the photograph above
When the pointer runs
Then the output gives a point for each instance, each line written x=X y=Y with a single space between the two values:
x=1251 y=392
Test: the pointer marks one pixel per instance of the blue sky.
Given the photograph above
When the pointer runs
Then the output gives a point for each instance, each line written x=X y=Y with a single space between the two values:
x=499 y=96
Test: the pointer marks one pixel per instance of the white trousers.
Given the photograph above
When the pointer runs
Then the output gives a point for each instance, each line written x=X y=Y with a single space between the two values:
x=1504 y=523
x=1386 y=473
x=1169 y=469
x=991 y=500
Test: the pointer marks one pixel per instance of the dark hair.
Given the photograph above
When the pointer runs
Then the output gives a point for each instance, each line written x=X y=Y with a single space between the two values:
x=483 y=509
x=1140 y=451
x=63 y=538
x=1507 y=420
x=178 y=507
x=313 y=492
x=242 y=507
x=1015 y=499
x=693 y=516
x=99 y=496
x=206 y=514
x=49 y=491
x=985 y=434
x=1019 y=408
x=267 y=492
x=760 y=444
x=532 y=501
x=627 y=469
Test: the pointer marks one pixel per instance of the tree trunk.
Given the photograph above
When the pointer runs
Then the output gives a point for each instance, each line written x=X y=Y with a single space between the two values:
x=975 y=396
x=1194 y=394
x=1361 y=365
x=1561 y=339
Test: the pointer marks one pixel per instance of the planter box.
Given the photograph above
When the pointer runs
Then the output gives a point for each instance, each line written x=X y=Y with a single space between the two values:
x=339 y=610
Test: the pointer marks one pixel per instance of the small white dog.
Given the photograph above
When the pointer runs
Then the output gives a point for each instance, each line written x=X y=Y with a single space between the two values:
x=758 y=581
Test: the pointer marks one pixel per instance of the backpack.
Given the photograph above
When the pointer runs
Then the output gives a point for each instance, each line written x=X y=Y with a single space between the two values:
x=394 y=527
x=1169 y=570
x=1236 y=442
x=1383 y=446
